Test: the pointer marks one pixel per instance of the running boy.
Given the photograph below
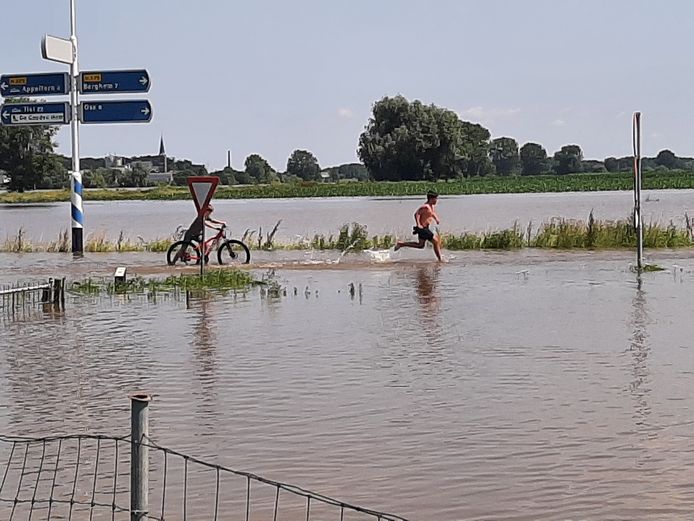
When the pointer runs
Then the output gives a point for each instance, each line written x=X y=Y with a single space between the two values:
x=423 y=217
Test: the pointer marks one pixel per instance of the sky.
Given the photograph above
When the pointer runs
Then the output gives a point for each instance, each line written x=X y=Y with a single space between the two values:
x=271 y=76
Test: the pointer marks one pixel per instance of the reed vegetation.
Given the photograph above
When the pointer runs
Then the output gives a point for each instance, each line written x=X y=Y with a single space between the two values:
x=558 y=233
x=17 y=243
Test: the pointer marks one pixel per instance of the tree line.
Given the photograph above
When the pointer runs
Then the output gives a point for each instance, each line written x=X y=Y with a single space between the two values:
x=302 y=166
x=406 y=140
x=402 y=140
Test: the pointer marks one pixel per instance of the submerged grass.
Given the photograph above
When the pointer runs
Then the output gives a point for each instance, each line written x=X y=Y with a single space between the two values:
x=558 y=233
x=652 y=267
x=220 y=279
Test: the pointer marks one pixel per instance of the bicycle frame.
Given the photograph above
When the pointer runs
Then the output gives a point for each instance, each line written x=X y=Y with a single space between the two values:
x=212 y=242
x=190 y=250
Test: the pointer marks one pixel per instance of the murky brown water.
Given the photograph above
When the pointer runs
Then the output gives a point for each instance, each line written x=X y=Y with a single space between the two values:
x=507 y=386
x=306 y=217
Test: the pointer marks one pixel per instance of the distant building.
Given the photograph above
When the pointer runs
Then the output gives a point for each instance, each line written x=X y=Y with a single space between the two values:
x=160 y=177
x=114 y=162
x=156 y=166
x=144 y=165
x=154 y=173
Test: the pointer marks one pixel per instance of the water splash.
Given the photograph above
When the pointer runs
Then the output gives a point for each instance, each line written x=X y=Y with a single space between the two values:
x=379 y=255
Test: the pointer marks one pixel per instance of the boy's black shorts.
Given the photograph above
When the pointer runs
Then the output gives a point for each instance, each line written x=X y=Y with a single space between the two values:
x=424 y=234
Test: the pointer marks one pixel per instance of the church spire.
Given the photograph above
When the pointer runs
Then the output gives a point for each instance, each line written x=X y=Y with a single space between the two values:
x=162 y=152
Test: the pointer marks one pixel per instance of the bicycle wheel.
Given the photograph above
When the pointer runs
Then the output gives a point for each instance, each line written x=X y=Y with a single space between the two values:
x=183 y=252
x=233 y=252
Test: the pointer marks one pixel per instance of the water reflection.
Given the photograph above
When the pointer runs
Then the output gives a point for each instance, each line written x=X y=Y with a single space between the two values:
x=204 y=343
x=639 y=347
x=482 y=399
x=429 y=300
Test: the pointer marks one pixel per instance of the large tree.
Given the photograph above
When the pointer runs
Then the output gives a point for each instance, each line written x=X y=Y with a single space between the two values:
x=668 y=159
x=611 y=164
x=304 y=165
x=353 y=171
x=474 y=159
x=259 y=170
x=533 y=158
x=26 y=155
x=568 y=160
x=413 y=141
x=503 y=152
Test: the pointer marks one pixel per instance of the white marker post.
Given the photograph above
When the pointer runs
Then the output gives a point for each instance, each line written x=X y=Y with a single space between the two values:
x=76 y=194
x=638 y=221
x=65 y=51
x=123 y=111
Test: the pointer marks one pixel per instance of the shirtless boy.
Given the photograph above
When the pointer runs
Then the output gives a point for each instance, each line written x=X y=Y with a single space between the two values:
x=423 y=217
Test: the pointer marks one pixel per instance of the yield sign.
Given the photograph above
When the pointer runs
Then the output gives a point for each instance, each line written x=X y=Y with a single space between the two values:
x=202 y=189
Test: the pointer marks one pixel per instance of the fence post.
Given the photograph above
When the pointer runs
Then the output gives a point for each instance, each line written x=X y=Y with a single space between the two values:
x=139 y=456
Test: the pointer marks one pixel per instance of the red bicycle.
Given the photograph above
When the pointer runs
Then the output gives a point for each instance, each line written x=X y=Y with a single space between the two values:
x=229 y=251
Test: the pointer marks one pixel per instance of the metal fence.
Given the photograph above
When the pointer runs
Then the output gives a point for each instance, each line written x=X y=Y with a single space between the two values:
x=17 y=297
x=92 y=477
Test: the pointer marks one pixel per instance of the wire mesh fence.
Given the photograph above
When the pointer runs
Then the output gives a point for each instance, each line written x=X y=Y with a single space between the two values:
x=87 y=477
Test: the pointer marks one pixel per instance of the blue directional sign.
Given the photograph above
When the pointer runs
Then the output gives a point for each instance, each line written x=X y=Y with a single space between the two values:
x=135 y=111
x=98 y=82
x=49 y=84
x=35 y=113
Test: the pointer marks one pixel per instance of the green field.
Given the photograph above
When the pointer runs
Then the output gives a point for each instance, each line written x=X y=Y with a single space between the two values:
x=481 y=185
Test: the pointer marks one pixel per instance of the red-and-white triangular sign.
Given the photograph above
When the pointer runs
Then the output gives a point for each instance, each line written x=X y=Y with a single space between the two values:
x=202 y=189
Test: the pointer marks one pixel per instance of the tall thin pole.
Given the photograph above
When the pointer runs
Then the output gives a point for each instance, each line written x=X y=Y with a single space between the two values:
x=77 y=211
x=202 y=249
x=638 y=220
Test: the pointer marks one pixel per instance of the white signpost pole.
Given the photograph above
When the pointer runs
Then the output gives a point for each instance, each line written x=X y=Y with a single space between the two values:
x=638 y=221
x=65 y=51
x=76 y=180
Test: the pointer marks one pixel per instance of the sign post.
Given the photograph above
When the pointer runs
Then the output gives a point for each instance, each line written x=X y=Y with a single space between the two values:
x=23 y=85
x=128 y=81
x=35 y=114
x=202 y=189
x=64 y=50
x=76 y=178
x=638 y=221
x=126 y=111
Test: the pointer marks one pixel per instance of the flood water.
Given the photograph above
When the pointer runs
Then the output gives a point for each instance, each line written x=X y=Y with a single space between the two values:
x=306 y=217
x=505 y=386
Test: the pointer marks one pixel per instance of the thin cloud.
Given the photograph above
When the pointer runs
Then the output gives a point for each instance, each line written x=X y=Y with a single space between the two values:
x=345 y=113
x=558 y=123
x=488 y=114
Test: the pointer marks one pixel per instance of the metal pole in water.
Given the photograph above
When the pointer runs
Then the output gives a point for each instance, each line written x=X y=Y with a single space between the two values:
x=638 y=221
x=77 y=211
x=202 y=250
x=139 y=456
